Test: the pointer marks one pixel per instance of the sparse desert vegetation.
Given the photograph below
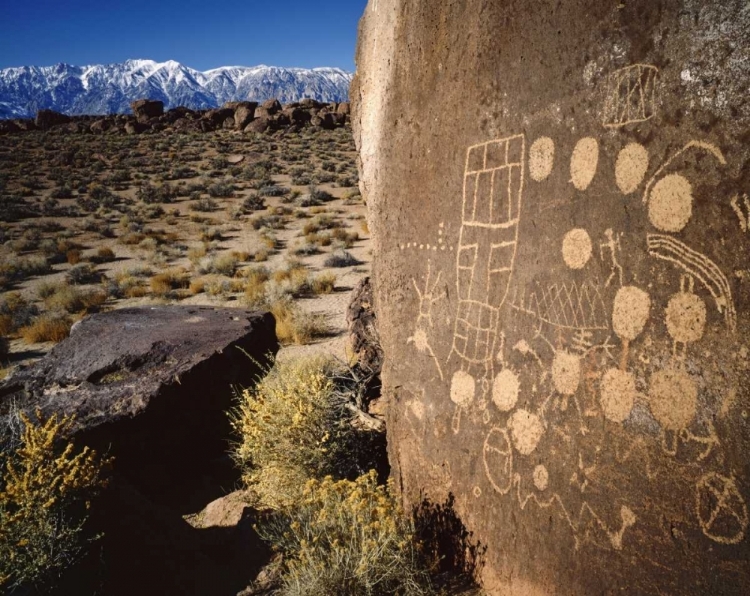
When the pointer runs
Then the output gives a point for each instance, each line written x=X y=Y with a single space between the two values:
x=100 y=222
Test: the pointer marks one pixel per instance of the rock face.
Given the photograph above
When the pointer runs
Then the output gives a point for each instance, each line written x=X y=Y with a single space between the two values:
x=145 y=109
x=562 y=282
x=150 y=386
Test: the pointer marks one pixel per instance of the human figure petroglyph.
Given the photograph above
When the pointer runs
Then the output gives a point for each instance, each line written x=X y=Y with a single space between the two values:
x=613 y=246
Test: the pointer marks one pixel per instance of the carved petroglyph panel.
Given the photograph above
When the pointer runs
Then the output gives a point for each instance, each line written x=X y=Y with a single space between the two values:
x=631 y=95
x=584 y=162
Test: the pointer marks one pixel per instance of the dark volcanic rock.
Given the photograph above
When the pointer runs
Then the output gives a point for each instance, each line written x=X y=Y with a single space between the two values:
x=151 y=386
x=46 y=119
x=561 y=281
x=363 y=329
x=145 y=109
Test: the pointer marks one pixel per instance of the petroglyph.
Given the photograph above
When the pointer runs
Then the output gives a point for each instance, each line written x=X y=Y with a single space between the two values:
x=497 y=456
x=686 y=315
x=670 y=200
x=741 y=207
x=721 y=510
x=618 y=394
x=541 y=477
x=631 y=167
x=576 y=248
x=584 y=162
x=566 y=372
x=671 y=204
x=567 y=306
x=463 y=391
x=493 y=189
x=630 y=95
x=698 y=266
x=505 y=390
x=526 y=430
x=614 y=247
x=427 y=298
x=541 y=158
x=673 y=397
x=630 y=312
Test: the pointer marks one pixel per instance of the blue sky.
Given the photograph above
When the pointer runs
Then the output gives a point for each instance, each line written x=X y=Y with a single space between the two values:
x=202 y=34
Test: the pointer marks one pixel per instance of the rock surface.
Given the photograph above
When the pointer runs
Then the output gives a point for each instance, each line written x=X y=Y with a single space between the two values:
x=562 y=282
x=151 y=386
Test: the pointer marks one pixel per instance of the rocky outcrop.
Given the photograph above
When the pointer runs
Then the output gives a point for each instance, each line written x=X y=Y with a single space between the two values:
x=151 y=386
x=145 y=109
x=46 y=119
x=561 y=282
x=244 y=113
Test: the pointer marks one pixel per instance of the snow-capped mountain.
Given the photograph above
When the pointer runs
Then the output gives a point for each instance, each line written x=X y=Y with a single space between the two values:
x=109 y=88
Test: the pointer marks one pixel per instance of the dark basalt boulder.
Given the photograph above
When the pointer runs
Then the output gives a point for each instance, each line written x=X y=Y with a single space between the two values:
x=145 y=109
x=150 y=386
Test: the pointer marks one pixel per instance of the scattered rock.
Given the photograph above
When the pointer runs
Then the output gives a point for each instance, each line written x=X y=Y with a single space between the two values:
x=235 y=159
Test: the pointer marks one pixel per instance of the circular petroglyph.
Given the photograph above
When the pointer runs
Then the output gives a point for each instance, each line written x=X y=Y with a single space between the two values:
x=630 y=168
x=722 y=512
x=617 y=395
x=477 y=492
x=463 y=388
x=686 y=317
x=576 y=248
x=673 y=398
x=671 y=203
x=566 y=372
x=541 y=158
x=584 y=162
x=498 y=460
x=541 y=477
x=526 y=430
x=505 y=390
x=630 y=312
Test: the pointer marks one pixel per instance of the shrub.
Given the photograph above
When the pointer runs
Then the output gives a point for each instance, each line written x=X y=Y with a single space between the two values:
x=15 y=312
x=253 y=202
x=222 y=264
x=221 y=189
x=75 y=300
x=103 y=255
x=323 y=284
x=342 y=259
x=84 y=273
x=289 y=423
x=47 y=327
x=295 y=326
x=45 y=491
x=164 y=283
x=255 y=286
x=204 y=204
x=347 y=537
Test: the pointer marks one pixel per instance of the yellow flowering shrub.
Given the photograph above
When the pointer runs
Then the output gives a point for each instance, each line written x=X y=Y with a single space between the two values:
x=347 y=537
x=45 y=490
x=291 y=427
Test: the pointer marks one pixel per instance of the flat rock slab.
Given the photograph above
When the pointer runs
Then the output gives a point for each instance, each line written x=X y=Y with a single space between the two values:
x=151 y=386
x=558 y=199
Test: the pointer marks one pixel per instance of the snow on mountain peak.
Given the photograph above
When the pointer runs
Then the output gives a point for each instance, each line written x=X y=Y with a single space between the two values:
x=109 y=88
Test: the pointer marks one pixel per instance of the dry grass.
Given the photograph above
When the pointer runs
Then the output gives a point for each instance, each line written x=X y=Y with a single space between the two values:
x=295 y=326
x=75 y=300
x=164 y=284
x=46 y=328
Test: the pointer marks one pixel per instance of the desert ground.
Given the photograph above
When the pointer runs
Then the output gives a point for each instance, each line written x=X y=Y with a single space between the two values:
x=90 y=223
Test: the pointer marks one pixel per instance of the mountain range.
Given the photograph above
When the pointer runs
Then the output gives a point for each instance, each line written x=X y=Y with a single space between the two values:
x=109 y=88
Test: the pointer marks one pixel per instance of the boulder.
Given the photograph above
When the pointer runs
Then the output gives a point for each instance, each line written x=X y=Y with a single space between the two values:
x=343 y=108
x=145 y=109
x=134 y=128
x=151 y=386
x=323 y=119
x=272 y=106
x=244 y=114
x=228 y=123
x=560 y=275
x=100 y=126
x=218 y=117
x=260 y=125
x=46 y=119
x=296 y=115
